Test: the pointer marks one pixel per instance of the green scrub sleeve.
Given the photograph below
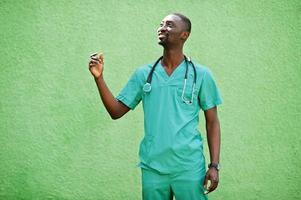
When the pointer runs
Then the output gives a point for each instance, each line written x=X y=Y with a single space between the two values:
x=131 y=94
x=209 y=95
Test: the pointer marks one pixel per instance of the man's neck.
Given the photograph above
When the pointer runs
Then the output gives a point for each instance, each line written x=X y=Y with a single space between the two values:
x=172 y=58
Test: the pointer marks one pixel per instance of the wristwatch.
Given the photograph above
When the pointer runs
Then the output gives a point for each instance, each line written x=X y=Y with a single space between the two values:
x=217 y=166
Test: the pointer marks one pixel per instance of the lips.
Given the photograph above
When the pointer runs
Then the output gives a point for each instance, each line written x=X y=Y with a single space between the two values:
x=162 y=36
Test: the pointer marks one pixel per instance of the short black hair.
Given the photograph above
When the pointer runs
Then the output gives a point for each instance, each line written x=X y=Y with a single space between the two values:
x=185 y=19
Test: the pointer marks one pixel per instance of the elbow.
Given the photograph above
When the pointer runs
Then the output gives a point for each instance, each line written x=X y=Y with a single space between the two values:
x=114 y=117
x=117 y=112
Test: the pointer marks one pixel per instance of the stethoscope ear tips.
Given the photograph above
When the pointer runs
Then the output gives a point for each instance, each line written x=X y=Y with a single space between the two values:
x=147 y=87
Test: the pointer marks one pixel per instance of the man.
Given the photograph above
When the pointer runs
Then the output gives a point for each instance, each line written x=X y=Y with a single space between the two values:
x=171 y=152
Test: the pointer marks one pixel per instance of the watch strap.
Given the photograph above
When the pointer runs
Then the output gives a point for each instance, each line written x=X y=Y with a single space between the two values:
x=214 y=165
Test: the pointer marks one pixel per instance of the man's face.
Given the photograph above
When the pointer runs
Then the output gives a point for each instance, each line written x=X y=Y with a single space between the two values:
x=172 y=31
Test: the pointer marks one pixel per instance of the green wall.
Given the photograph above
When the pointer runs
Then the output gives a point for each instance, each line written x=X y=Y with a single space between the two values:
x=58 y=142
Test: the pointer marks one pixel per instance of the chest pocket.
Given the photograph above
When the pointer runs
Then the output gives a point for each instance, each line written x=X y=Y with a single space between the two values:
x=184 y=100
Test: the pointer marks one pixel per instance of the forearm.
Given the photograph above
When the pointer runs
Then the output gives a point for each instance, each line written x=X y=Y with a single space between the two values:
x=112 y=105
x=214 y=139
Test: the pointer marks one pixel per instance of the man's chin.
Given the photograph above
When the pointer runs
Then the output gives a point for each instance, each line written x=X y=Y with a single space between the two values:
x=160 y=42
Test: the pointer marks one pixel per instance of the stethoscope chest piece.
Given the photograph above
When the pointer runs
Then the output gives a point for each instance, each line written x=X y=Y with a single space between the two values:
x=147 y=87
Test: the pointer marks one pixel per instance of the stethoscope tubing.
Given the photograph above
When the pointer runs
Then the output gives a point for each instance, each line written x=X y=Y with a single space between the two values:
x=147 y=86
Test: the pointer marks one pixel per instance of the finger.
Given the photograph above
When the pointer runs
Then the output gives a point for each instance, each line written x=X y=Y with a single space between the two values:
x=205 y=184
x=213 y=185
x=94 y=61
x=97 y=59
x=206 y=190
x=205 y=181
x=97 y=56
x=92 y=64
x=93 y=54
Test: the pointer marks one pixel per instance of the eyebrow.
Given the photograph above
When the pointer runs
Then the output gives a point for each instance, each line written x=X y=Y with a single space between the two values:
x=168 y=21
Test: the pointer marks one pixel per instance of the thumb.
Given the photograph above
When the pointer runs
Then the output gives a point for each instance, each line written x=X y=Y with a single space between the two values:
x=205 y=187
x=206 y=181
x=100 y=56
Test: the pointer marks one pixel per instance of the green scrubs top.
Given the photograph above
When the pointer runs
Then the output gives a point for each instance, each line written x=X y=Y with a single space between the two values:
x=172 y=142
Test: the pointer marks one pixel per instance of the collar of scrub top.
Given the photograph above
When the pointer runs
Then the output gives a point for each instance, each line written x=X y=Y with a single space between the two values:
x=147 y=86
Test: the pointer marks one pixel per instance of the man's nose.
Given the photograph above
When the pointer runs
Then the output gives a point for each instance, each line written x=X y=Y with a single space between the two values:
x=162 y=29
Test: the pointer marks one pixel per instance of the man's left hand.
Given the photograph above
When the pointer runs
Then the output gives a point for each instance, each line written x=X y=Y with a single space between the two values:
x=212 y=176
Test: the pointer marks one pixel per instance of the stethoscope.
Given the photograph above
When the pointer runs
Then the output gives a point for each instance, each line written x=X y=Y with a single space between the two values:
x=147 y=86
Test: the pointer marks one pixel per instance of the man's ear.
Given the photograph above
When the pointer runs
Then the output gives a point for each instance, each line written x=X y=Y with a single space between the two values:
x=185 y=35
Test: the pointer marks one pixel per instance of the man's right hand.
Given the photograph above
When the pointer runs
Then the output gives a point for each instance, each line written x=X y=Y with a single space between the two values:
x=96 y=64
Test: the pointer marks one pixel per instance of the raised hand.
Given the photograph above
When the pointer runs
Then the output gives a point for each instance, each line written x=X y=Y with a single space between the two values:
x=96 y=64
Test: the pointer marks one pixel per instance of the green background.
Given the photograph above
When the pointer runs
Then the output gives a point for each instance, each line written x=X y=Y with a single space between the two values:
x=58 y=142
